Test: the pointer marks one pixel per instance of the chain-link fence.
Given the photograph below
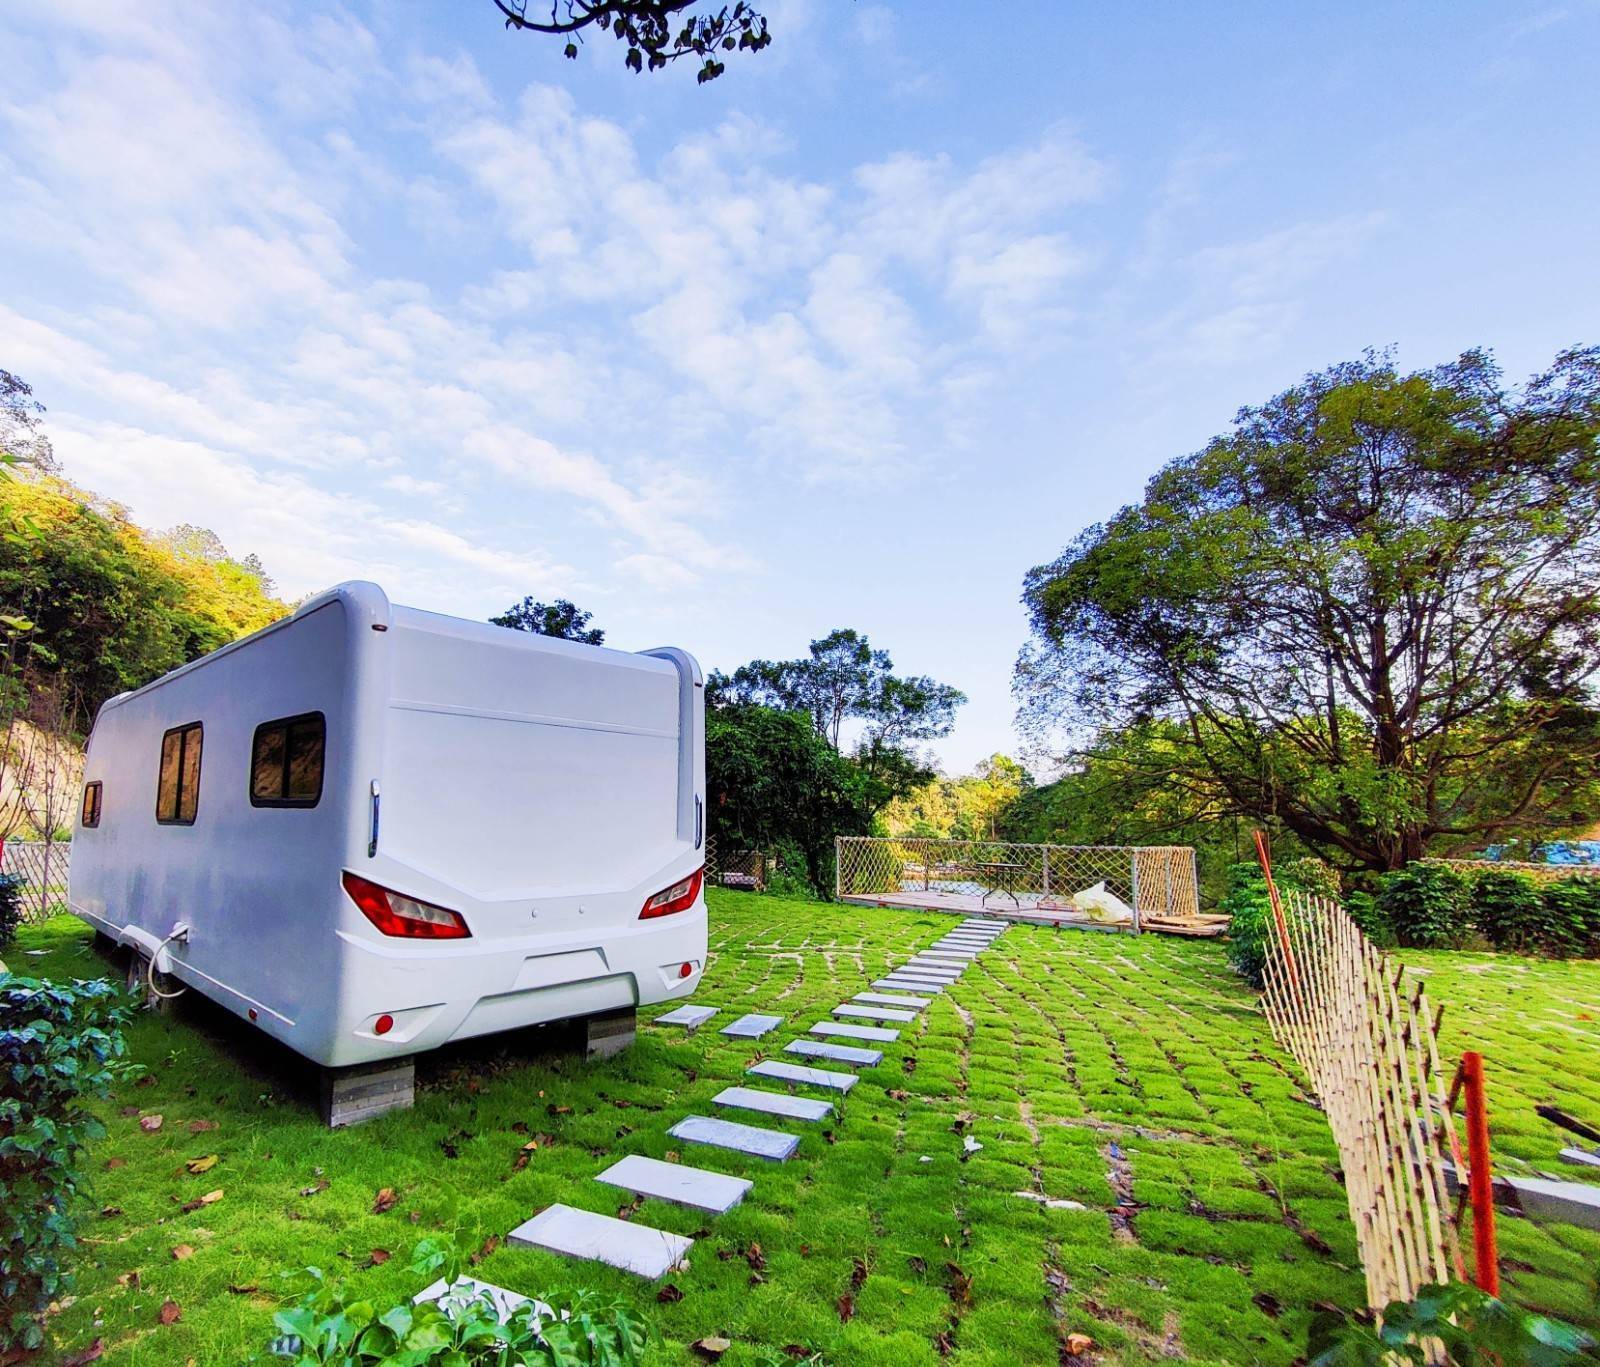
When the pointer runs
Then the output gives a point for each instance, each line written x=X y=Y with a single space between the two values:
x=42 y=866
x=1112 y=885
x=734 y=868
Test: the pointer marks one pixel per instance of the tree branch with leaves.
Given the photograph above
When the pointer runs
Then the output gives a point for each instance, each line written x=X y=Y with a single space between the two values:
x=656 y=32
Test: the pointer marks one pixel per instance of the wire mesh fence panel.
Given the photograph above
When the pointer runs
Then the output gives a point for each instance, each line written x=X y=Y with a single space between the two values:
x=1369 y=1050
x=42 y=867
x=1095 y=882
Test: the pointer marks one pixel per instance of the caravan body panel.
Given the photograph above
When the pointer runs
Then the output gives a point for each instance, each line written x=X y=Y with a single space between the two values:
x=540 y=789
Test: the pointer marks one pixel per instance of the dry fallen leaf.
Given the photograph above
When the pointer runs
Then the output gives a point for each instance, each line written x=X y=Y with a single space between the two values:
x=150 y=1123
x=197 y=1166
x=113 y=1163
x=713 y=1346
x=170 y=1313
x=314 y=1188
x=201 y=1126
x=209 y=1199
x=128 y=1279
x=847 y=1308
x=669 y=1294
x=93 y=1353
x=387 y=1197
x=380 y=1256
x=238 y=1290
x=1079 y=1343
x=183 y=1251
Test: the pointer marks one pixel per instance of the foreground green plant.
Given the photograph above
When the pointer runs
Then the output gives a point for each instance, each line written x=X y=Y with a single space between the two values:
x=60 y=1046
x=1473 y=1326
x=460 y=1329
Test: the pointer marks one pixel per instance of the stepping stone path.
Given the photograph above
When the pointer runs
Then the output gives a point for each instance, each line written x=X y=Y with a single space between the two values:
x=802 y=1076
x=653 y=1253
x=873 y=1013
x=773 y=1103
x=729 y=1134
x=877 y=1034
x=676 y=1182
x=752 y=1027
x=837 y=1053
x=691 y=1016
x=620 y=1243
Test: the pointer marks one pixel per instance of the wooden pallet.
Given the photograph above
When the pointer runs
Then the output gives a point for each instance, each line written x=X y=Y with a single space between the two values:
x=1203 y=925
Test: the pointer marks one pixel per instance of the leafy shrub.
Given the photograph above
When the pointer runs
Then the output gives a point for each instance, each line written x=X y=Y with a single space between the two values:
x=1425 y=905
x=1249 y=904
x=1362 y=907
x=326 y=1325
x=1473 y=1326
x=1572 y=915
x=60 y=1044
x=10 y=909
x=1508 y=909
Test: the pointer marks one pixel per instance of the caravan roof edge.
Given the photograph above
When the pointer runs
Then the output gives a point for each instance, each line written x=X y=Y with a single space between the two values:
x=365 y=598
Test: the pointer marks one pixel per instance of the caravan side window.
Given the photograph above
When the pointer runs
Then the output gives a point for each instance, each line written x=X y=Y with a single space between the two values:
x=286 y=761
x=178 y=789
x=91 y=804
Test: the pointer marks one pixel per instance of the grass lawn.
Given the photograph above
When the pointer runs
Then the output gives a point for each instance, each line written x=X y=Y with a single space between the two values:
x=1092 y=1069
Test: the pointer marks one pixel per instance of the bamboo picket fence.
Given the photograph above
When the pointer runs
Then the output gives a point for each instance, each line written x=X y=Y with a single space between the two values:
x=1369 y=1048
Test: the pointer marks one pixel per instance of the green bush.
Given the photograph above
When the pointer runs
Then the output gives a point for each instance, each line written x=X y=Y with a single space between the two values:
x=1250 y=906
x=1471 y=1326
x=10 y=909
x=60 y=1045
x=1248 y=903
x=1426 y=905
x=1508 y=909
x=459 y=1330
x=1572 y=915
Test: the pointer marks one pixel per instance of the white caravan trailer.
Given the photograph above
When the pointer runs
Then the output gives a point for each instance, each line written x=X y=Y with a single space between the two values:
x=370 y=830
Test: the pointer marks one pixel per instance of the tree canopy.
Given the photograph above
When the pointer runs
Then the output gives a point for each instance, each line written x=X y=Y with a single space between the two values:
x=842 y=677
x=655 y=33
x=560 y=618
x=1369 y=612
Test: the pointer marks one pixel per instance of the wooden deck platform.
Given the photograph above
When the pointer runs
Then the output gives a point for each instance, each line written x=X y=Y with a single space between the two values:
x=1001 y=907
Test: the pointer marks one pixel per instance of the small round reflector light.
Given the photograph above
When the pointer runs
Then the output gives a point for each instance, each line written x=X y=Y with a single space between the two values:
x=685 y=970
x=252 y=1013
x=383 y=1025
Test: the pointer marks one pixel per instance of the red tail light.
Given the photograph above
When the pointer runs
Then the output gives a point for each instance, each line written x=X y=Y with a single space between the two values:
x=396 y=914
x=679 y=897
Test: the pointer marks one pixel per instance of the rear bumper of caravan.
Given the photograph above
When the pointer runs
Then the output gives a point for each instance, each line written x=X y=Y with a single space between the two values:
x=460 y=989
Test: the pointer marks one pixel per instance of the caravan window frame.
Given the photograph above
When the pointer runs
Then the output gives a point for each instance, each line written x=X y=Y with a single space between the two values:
x=185 y=800
x=89 y=812
x=287 y=726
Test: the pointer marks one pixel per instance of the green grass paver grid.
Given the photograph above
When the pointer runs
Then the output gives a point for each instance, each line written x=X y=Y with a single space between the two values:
x=1052 y=1047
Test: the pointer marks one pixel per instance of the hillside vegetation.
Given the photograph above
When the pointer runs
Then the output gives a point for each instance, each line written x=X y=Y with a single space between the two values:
x=107 y=606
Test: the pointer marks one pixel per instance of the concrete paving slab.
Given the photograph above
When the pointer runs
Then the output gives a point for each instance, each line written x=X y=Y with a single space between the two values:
x=802 y=1076
x=851 y=1011
x=626 y=1244
x=774 y=1145
x=835 y=1053
x=676 y=1182
x=752 y=1026
x=896 y=999
x=877 y=1034
x=691 y=1016
x=895 y=984
x=956 y=956
x=773 y=1103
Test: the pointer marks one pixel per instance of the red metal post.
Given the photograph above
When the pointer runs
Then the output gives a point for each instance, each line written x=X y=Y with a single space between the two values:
x=1485 y=1255
x=1277 y=911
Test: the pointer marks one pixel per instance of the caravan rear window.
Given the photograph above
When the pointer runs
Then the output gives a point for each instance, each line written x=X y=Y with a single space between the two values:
x=91 y=804
x=286 y=761
x=178 y=789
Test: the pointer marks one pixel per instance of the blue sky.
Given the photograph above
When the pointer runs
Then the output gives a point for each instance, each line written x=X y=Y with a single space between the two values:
x=853 y=336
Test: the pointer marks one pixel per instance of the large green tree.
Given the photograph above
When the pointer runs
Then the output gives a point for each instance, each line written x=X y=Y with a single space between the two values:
x=843 y=678
x=562 y=618
x=1370 y=609
x=774 y=783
